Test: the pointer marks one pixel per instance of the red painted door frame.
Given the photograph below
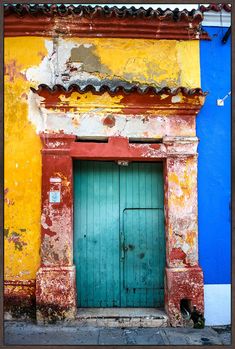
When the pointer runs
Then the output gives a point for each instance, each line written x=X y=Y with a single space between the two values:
x=55 y=284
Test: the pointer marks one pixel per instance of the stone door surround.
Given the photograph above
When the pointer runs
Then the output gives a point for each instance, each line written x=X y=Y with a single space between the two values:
x=55 y=285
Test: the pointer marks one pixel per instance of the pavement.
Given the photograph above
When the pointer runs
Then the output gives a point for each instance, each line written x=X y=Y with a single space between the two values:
x=23 y=333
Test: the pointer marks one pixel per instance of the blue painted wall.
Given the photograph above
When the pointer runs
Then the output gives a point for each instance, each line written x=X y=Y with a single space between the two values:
x=214 y=132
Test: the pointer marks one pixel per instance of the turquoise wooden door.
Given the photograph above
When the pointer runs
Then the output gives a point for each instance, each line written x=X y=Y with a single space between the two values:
x=96 y=233
x=119 y=243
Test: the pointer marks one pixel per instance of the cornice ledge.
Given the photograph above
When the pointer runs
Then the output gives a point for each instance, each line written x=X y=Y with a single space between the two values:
x=140 y=99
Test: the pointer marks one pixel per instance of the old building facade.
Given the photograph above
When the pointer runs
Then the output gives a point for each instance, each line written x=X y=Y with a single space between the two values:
x=101 y=160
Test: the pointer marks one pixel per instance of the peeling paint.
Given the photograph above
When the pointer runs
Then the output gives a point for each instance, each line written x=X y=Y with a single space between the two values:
x=45 y=71
x=84 y=114
x=183 y=283
x=59 y=304
x=84 y=60
x=162 y=63
x=182 y=205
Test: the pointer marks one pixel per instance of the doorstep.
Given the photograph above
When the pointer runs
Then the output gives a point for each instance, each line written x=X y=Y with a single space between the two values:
x=123 y=317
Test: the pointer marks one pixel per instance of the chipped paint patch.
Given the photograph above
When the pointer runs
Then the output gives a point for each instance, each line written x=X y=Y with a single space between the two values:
x=109 y=121
x=16 y=238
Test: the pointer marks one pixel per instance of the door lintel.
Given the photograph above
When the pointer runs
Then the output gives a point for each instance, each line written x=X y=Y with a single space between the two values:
x=118 y=148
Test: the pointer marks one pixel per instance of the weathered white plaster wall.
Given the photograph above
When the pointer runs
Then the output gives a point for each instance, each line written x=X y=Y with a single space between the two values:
x=217 y=304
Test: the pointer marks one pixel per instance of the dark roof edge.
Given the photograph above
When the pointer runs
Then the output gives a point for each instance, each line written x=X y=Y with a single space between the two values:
x=216 y=8
x=120 y=89
x=97 y=11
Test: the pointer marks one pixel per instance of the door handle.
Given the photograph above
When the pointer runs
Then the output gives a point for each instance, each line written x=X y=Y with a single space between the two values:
x=122 y=243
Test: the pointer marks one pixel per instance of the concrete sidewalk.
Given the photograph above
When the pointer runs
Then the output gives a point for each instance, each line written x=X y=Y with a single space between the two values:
x=17 y=332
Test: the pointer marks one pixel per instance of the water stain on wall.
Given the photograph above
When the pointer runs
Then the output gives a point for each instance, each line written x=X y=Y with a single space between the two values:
x=91 y=62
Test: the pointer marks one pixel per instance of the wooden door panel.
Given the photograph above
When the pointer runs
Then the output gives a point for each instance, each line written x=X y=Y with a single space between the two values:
x=141 y=209
x=96 y=240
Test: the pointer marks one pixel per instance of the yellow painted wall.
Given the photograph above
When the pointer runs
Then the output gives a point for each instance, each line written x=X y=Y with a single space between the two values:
x=22 y=162
x=164 y=62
